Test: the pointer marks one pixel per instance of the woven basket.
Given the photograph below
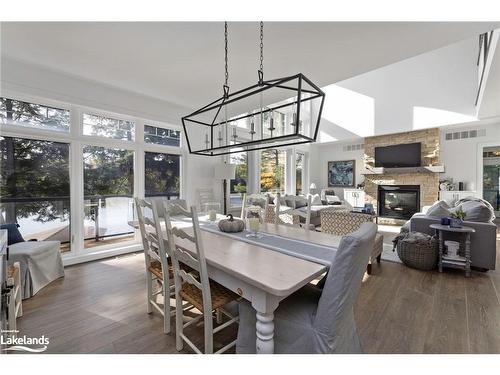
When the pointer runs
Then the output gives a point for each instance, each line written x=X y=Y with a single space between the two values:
x=418 y=250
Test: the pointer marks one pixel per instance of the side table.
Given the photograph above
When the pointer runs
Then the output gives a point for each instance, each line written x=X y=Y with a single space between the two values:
x=449 y=261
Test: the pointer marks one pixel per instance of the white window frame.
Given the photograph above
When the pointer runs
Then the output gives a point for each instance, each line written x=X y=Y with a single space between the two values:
x=77 y=141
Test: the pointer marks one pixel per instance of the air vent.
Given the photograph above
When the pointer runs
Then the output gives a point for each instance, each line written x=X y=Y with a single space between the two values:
x=464 y=134
x=354 y=147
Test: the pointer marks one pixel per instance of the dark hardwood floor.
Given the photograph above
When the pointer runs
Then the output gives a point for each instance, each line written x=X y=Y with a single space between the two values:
x=99 y=307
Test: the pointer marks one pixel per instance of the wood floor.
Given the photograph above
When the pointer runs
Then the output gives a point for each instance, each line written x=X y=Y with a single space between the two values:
x=99 y=307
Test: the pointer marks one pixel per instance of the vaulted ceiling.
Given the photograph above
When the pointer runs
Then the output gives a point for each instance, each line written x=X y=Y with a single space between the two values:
x=182 y=63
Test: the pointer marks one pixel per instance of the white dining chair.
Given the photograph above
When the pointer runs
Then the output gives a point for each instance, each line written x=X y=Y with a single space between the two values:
x=293 y=213
x=260 y=200
x=196 y=287
x=158 y=265
x=314 y=320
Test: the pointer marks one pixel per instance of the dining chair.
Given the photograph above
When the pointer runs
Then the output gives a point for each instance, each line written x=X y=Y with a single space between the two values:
x=158 y=266
x=205 y=195
x=260 y=200
x=294 y=210
x=204 y=294
x=313 y=320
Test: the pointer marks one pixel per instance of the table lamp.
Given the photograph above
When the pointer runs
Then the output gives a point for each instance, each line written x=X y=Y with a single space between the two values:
x=225 y=172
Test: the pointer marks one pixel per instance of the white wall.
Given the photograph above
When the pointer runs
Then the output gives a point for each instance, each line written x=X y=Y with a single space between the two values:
x=320 y=155
x=433 y=89
x=460 y=156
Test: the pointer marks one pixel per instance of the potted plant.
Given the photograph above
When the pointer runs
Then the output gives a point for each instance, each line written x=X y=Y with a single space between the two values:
x=457 y=217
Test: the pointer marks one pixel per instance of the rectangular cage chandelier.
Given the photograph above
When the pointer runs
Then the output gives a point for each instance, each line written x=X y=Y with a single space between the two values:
x=275 y=113
x=270 y=114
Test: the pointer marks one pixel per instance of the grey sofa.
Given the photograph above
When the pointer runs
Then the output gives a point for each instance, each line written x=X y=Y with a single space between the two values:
x=483 y=241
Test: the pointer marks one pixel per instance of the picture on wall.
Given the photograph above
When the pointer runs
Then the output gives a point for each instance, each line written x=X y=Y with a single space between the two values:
x=341 y=173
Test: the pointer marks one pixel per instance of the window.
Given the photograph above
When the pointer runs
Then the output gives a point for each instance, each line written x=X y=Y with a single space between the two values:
x=299 y=172
x=34 y=188
x=108 y=187
x=162 y=175
x=16 y=112
x=107 y=127
x=272 y=171
x=162 y=136
x=238 y=185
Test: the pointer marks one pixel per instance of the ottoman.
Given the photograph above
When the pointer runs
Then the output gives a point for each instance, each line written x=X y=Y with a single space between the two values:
x=40 y=263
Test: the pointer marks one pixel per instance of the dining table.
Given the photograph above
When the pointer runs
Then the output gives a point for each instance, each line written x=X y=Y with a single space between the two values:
x=263 y=271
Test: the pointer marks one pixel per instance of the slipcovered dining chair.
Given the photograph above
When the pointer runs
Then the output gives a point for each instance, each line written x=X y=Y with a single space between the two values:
x=313 y=320
x=195 y=287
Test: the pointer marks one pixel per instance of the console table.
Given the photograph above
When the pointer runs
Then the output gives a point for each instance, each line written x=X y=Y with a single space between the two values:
x=448 y=261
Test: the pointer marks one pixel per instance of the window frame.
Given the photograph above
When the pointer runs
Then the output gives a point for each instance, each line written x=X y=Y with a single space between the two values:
x=77 y=141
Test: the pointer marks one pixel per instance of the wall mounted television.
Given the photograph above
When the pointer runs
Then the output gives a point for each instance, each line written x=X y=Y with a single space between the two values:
x=398 y=156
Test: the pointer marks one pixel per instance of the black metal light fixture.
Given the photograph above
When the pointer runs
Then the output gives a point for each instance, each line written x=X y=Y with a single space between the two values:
x=270 y=114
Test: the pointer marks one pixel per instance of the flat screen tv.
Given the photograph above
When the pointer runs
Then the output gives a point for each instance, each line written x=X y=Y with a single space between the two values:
x=398 y=156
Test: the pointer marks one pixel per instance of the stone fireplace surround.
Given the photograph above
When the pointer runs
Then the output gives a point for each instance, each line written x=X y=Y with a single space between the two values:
x=427 y=180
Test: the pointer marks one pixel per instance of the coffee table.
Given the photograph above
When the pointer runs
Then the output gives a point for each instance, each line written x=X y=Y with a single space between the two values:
x=446 y=260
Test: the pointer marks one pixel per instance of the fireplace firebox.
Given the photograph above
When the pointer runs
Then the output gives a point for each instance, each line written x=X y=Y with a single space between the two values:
x=398 y=201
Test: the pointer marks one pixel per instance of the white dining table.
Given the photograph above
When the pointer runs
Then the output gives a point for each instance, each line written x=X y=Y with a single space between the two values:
x=262 y=276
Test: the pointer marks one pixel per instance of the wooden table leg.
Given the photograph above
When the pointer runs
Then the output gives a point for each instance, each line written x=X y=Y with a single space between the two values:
x=265 y=324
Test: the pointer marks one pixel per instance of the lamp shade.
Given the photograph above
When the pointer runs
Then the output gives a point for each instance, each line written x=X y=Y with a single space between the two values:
x=312 y=186
x=225 y=171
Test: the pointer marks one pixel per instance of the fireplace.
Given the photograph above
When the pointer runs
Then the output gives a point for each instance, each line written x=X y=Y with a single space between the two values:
x=398 y=201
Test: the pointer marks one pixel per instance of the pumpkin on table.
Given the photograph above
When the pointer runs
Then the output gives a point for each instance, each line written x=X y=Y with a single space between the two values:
x=231 y=225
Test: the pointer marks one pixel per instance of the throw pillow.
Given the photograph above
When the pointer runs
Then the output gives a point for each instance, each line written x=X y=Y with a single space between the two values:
x=439 y=210
x=301 y=202
x=13 y=234
x=332 y=199
x=476 y=211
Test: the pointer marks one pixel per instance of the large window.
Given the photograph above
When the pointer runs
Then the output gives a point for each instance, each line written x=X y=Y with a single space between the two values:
x=35 y=189
x=162 y=136
x=162 y=175
x=108 y=127
x=108 y=182
x=272 y=171
x=19 y=113
x=299 y=172
x=238 y=185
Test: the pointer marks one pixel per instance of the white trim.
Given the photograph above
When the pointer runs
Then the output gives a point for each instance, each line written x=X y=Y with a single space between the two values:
x=77 y=141
x=101 y=254
x=479 y=165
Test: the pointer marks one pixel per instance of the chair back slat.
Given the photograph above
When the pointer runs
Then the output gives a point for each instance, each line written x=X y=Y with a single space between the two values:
x=189 y=278
x=151 y=234
x=196 y=256
x=181 y=233
x=184 y=257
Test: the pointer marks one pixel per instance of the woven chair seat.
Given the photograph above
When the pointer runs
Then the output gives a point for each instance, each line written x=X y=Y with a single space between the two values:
x=155 y=269
x=220 y=295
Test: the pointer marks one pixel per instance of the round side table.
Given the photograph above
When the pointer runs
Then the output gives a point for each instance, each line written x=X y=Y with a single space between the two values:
x=445 y=260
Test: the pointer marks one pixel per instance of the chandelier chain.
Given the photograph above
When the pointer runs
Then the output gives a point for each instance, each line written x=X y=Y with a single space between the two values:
x=262 y=46
x=225 y=57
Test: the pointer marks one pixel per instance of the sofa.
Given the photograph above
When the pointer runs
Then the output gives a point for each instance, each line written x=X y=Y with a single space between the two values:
x=479 y=215
x=317 y=207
